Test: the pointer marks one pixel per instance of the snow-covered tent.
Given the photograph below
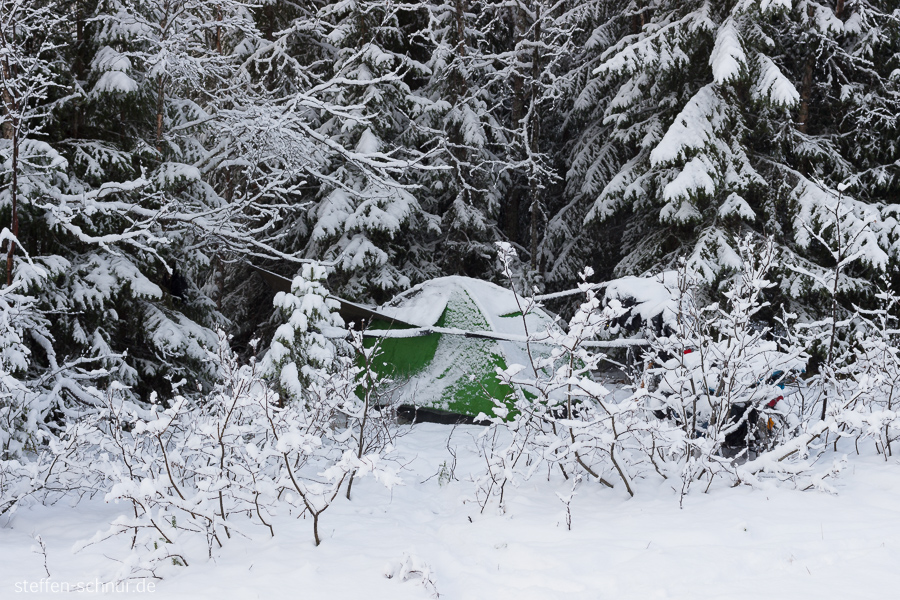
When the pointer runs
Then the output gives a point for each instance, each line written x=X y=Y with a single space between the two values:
x=463 y=330
x=442 y=341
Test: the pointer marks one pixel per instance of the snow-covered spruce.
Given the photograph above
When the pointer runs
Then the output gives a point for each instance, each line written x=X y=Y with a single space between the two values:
x=697 y=122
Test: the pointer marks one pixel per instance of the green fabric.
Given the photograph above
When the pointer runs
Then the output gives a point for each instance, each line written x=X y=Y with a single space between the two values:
x=474 y=393
x=401 y=358
x=467 y=381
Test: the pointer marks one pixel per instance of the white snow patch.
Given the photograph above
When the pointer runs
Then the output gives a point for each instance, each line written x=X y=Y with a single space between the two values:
x=728 y=543
x=694 y=127
x=728 y=55
x=772 y=84
x=735 y=205
x=694 y=178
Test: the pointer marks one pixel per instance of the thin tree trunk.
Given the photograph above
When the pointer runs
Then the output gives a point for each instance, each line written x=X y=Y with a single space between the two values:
x=511 y=221
x=535 y=131
x=10 y=127
x=460 y=22
x=834 y=303
x=160 y=107
x=220 y=281
x=219 y=30
x=78 y=69
x=517 y=82
x=806 y=84
x=160 y=84
x=14 y=195
x=7 y=126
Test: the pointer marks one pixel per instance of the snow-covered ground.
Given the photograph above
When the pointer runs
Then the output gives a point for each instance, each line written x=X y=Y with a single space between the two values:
x=731 y=543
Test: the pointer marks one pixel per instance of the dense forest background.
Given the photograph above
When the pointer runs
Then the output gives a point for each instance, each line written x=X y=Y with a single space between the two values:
x=153 y=150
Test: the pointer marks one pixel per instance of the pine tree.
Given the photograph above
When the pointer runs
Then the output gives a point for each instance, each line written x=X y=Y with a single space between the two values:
x=460 y=121
x=711 y=130
x=141 y=215
x=128 y=220
x=312 y=337
x=365 y=220
x=591 y=154
x=37 y=380
x=538 y=42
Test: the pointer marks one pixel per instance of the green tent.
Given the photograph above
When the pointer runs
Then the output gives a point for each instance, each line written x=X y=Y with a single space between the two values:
x=456 y=332
x=442 y=341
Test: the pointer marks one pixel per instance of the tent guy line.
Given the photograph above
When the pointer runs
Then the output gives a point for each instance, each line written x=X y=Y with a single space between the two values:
x=352 y=311
x=503 y=337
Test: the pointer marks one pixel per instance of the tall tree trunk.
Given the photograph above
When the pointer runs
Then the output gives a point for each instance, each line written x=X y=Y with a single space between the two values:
x=511 y=209
x=10 y=130
x=535 y=134
x=834 y=302
x=160 y=110
x=7 y=126
x=517 y=82
x=805 y=95
x=459 y=20
x=78 y=67
x=14 y=196
x=218 y=29
x=220 y=281
x=160 y=83
x=806 y=84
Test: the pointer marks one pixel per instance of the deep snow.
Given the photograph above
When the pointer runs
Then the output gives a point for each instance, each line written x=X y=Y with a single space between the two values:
x=730 y=543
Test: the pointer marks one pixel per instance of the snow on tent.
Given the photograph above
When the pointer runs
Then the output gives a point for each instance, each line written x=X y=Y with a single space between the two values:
x=442 y=341
x=465 y=329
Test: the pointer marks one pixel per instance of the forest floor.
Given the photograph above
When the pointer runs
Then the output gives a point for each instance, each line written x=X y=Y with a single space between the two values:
x=729 y=543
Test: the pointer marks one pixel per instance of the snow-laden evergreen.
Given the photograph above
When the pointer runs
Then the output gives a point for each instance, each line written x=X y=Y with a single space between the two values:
x=728 y=170
x=457 y=119
x=368 y=223
x=699 y=126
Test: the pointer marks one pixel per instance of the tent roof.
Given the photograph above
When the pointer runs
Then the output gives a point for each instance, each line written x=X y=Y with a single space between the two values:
x=424 y=304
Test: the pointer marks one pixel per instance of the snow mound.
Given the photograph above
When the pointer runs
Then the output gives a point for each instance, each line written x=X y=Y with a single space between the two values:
x=649 y=300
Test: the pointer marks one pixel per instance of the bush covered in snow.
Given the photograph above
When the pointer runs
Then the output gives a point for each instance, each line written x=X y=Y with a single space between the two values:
x=717 y=394
x=717 y=398
x=203 y=468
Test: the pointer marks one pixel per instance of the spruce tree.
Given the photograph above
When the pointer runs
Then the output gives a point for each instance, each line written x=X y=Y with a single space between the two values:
x=364 y=220
x=709 y=114
x=459 y=121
